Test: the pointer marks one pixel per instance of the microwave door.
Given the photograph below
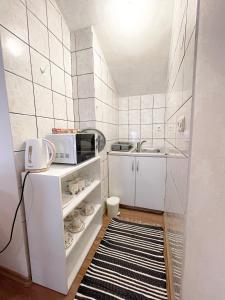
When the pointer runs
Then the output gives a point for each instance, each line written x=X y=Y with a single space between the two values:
x=85 y=147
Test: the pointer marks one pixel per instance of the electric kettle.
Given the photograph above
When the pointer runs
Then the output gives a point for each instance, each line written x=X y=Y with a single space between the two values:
x=39 y=155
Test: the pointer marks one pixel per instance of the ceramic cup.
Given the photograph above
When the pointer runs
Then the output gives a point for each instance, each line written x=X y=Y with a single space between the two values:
x=68 y=238
x=87 y=209
x=73 y=187
x=76 y=223
x=81 y=184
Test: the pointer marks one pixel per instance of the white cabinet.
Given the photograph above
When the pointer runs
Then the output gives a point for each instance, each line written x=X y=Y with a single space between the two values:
x=138 y=181
x=122 y=178
x=150 y=182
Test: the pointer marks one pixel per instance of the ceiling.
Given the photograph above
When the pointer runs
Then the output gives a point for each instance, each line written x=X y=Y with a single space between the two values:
x=135 y=38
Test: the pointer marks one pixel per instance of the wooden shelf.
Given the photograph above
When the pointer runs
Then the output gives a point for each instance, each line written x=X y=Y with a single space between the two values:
x=77 y=199
x=87 y=220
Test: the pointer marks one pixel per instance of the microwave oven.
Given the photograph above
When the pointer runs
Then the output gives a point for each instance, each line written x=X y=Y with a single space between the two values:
x=73 y=148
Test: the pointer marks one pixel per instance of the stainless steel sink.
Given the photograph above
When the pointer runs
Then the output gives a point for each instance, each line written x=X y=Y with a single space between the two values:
x=149 y=150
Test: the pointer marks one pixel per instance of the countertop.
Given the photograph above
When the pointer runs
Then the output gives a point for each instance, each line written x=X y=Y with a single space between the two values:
x=132 y=152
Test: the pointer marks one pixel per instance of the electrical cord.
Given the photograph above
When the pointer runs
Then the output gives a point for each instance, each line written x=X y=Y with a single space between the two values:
x=15 y=215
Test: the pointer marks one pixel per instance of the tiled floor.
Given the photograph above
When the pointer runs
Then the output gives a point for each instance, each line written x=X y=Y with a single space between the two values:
x=10 y=290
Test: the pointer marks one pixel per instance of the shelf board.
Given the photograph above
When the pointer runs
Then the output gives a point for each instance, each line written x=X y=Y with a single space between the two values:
x=77 y=199
x=87 y=220
x=61 y=170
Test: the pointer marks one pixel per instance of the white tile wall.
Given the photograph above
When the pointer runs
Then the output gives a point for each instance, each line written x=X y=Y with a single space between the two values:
x=38 y=35
x=97 y=104
x=20 y=94
x=178 y=104
x=15 y=54
x=32 y=80
x=138 y=116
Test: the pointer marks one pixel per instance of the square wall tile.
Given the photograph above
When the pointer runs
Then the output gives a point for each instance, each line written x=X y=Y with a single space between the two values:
x=41 y=69
x=123 y=117
x=99 y=110
x=74 y=64
x=70 y=109
x=134 y=132
x=123 y=132
x=76 y=110
x=16 y=55
x=146 y=131
x=67 y=60
x=86 y=86
x=72 y=42
x=58 y=84
x=59 y=103
x=104 y=72
x=83 y=38
x=13 y=17
x=188 y=63
x=38 y=35
x=61 y=123
x=135 y=102
x=66 y=34
x=158 y=143
x=123 y=103
x=85 y=61
x=43 y=101
x=158 y=131
x=97 y=64
x=68 y=86
x=20 y=132
x=87 y=109
x=19 y=158
x=56 y=51
x=74 y=87
x=159 y=115
x=20 y=94
x=147 y=101
x=54 y=20
x=146 y=116
x=45 y=126
x=38 y=8
x=134 y=116
x=159 y=100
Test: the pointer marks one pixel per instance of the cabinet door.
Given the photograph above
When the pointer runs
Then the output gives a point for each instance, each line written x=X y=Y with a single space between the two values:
x=122 y=178
x=150 y=182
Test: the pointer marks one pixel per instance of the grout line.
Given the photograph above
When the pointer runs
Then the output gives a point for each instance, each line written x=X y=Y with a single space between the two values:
x=31 y=68
x=53 y=107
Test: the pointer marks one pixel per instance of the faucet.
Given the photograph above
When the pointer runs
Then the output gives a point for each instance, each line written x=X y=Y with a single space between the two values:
x=139 y=144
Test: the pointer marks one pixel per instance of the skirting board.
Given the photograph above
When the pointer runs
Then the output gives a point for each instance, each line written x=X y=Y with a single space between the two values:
x=169 y=274
x=141 y=209
x=26 y=281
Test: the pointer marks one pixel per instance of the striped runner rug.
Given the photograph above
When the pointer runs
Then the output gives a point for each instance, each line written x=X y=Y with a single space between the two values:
x=129 y=264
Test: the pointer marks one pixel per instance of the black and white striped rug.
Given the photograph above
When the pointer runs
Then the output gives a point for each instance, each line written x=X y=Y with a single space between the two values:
x=129 y=264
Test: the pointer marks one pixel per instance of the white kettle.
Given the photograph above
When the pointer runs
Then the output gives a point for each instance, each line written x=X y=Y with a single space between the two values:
x=39 y=155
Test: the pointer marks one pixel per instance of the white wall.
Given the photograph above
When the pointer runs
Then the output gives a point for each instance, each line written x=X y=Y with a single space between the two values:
x=204 y=272
x=15 y=257
x=179 y=104
x=34 y=35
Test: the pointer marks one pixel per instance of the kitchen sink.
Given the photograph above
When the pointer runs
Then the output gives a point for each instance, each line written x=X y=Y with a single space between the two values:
x=149 y=150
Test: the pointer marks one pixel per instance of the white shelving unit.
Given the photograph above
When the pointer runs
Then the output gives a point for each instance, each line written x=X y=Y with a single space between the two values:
x=46 y=206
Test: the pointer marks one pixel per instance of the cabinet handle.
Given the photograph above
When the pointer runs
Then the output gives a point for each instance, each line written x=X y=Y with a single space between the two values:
x=133 y=166
x=137 y=165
